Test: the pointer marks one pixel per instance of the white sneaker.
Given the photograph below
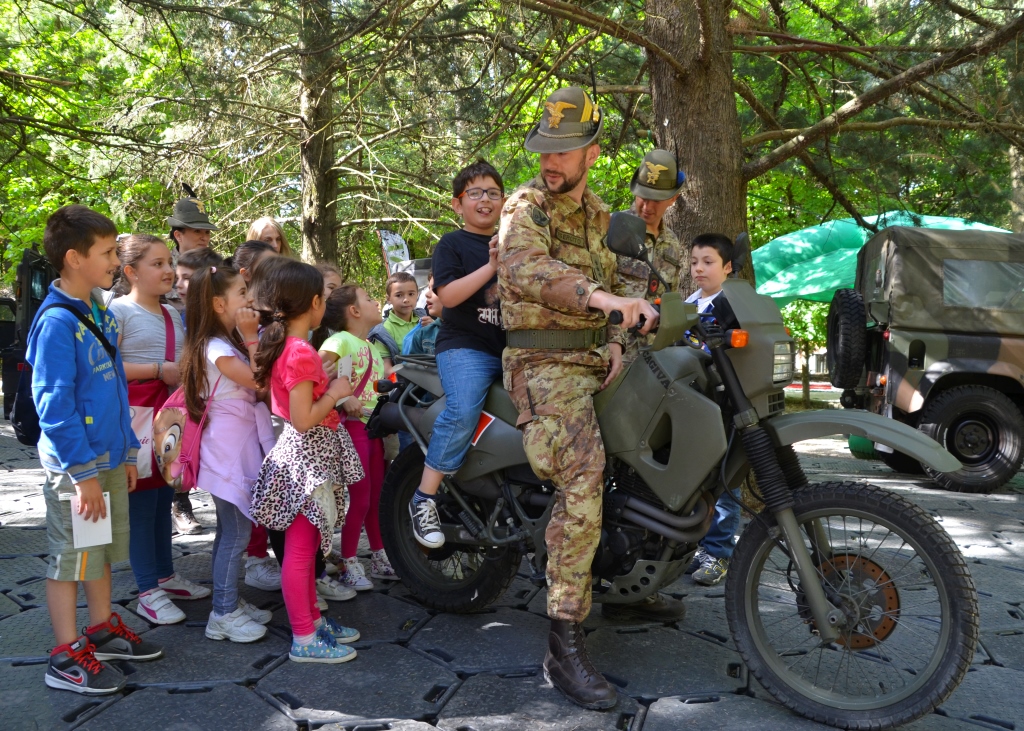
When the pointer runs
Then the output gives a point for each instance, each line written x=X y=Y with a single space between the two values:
x=321 y=603
x=263 y=573
x=181 y=588
x=353 y=575
x=237 y=627
x=331 y=568
x=156 y=607
x=262 y=616
x=380 y=567
x=329 y=588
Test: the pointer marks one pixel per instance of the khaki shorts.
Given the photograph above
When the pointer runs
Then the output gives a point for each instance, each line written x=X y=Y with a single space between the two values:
x=68 y=563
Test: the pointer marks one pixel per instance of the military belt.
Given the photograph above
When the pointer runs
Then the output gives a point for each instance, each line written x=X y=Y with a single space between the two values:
x=557 y=339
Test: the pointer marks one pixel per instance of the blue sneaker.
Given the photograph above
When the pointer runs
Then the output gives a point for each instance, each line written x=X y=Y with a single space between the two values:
x=342 y=635
x=322 y=649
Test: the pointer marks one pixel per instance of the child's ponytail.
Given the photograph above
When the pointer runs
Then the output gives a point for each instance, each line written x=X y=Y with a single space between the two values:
x=335 y=313
x=286 y=292
x=201 y=324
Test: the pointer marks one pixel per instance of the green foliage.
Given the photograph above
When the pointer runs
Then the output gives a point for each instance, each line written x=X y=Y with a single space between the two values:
x=114 y=104
x=807 y=323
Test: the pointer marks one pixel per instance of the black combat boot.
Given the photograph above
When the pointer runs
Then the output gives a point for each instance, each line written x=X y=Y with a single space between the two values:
x=569 y=668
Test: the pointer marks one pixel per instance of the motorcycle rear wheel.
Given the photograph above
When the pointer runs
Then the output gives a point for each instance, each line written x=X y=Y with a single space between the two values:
x=910 y=606
x=453 y=578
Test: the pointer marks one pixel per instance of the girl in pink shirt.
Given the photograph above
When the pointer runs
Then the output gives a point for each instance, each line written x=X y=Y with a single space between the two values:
x=301 y=487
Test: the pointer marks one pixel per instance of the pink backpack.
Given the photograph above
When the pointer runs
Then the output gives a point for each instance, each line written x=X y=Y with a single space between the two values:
x=176 y=440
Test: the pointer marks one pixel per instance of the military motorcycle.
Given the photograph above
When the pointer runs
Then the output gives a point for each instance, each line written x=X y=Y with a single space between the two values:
x=848 y=603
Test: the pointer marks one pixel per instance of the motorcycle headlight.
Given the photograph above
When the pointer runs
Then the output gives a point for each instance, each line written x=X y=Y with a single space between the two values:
x=784 y=365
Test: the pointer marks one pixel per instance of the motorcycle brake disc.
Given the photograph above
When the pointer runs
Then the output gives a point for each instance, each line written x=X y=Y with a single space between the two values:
x=868 y=593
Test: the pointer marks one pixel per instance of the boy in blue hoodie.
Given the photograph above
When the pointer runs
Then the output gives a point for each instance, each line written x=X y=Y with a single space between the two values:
x=87 y=449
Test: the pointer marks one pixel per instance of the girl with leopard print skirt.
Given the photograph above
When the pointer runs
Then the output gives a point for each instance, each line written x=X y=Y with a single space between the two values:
x=301 y=488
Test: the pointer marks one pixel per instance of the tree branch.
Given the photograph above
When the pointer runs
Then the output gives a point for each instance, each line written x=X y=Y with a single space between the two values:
x=607 y=26
x=967 y=13
x=788 y=134
x=882 y=91
x=820 y=175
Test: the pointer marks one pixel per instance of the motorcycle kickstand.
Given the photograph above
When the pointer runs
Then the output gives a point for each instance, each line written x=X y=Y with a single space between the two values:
x=826 y=617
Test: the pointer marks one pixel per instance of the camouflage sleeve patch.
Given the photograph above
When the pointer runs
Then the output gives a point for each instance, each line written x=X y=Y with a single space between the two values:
x=539 y=217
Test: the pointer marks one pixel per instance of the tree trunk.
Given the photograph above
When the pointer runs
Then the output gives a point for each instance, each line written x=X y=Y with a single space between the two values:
x=695 y=117
x=1016 y=190
x=316 y=105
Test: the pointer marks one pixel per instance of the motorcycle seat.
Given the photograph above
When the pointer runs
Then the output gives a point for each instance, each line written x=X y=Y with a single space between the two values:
x=498 y=403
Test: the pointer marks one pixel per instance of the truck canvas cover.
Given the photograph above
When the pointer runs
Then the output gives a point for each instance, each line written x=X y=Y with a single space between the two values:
x=929 y=279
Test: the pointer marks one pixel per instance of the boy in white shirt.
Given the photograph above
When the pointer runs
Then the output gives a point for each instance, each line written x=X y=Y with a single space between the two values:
x=711 y=257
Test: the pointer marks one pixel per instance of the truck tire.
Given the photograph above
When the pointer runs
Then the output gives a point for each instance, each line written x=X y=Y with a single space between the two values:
x=982 y=428
x=846 y=341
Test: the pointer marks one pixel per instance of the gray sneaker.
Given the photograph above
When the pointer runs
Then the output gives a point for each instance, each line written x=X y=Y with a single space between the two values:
x=712 y=570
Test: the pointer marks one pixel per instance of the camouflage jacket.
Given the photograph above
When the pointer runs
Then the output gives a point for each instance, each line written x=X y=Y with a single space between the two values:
x=551 y=258
x=668 y=257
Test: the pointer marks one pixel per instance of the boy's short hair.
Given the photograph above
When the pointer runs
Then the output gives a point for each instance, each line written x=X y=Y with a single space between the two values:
x=398 y=278
x=479 y=169
x=719 y=242
x=200 y=258
x=73 y=227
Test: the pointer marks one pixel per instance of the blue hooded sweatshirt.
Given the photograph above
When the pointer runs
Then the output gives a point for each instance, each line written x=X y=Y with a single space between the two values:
x=81 y=395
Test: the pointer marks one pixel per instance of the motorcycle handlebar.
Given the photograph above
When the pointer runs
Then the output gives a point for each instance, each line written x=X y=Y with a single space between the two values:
x=615 y=317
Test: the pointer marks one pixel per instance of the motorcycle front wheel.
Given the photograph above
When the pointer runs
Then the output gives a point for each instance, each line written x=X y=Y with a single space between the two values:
x=453 y=578
x=909 y=609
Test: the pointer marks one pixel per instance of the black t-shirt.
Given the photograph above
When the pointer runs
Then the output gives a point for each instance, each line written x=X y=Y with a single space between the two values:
x=476 y=323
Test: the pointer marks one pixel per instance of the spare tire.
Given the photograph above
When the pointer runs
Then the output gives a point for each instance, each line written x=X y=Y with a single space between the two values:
x=847 y=336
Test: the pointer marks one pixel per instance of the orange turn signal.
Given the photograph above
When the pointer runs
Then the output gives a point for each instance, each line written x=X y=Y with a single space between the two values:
x=882 y=380
x=739 y=338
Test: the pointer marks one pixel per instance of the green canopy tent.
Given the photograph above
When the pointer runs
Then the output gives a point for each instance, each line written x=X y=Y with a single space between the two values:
x=812 y=263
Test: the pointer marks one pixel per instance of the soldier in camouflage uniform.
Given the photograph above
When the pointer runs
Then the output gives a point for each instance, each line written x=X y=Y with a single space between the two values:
x=655 y=187
x=555 y=282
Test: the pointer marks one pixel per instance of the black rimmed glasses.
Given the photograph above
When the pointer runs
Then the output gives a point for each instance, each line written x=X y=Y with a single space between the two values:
x=475 y=194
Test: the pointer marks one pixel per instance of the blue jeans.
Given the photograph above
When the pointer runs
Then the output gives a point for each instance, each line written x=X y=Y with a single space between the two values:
x=233 y=530
x=720 y=540
x=466 y=375
x=149 y=543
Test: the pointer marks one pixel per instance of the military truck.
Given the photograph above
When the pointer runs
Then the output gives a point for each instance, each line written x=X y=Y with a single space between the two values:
x=932 y=335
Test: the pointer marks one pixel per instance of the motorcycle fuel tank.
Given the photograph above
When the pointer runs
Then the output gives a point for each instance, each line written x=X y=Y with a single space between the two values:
x=659 y=422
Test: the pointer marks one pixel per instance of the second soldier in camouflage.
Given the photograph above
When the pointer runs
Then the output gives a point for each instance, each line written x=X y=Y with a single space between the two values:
x=655 y=187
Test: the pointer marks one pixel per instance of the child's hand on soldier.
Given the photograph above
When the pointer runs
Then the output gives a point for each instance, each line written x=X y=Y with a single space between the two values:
x=90 y=499
x=492 y=253
x=169 y=374
x=247 y=320
x=132 y=473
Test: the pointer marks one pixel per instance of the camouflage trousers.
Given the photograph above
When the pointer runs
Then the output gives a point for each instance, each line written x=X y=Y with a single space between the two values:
x=563 y=444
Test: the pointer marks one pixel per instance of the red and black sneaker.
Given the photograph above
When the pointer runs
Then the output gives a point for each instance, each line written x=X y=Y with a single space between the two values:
x=114 y=640
x=74 y=667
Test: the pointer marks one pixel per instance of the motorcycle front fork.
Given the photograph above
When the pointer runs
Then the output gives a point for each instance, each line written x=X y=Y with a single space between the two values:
x=778 y=473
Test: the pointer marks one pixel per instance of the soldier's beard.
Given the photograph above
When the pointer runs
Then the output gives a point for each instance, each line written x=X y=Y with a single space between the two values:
x=567 y=182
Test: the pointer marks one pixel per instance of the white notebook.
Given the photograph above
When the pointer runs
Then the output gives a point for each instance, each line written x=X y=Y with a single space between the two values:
x=86 y=532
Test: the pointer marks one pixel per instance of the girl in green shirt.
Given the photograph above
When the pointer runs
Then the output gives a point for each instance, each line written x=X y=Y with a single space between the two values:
x=351 y=314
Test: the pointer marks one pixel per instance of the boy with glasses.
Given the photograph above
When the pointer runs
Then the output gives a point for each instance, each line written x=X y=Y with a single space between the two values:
x=468 y=348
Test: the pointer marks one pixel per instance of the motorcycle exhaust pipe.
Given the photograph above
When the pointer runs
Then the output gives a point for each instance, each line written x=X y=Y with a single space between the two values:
x=654 y=519
x=690 y=536
x=700 y=512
